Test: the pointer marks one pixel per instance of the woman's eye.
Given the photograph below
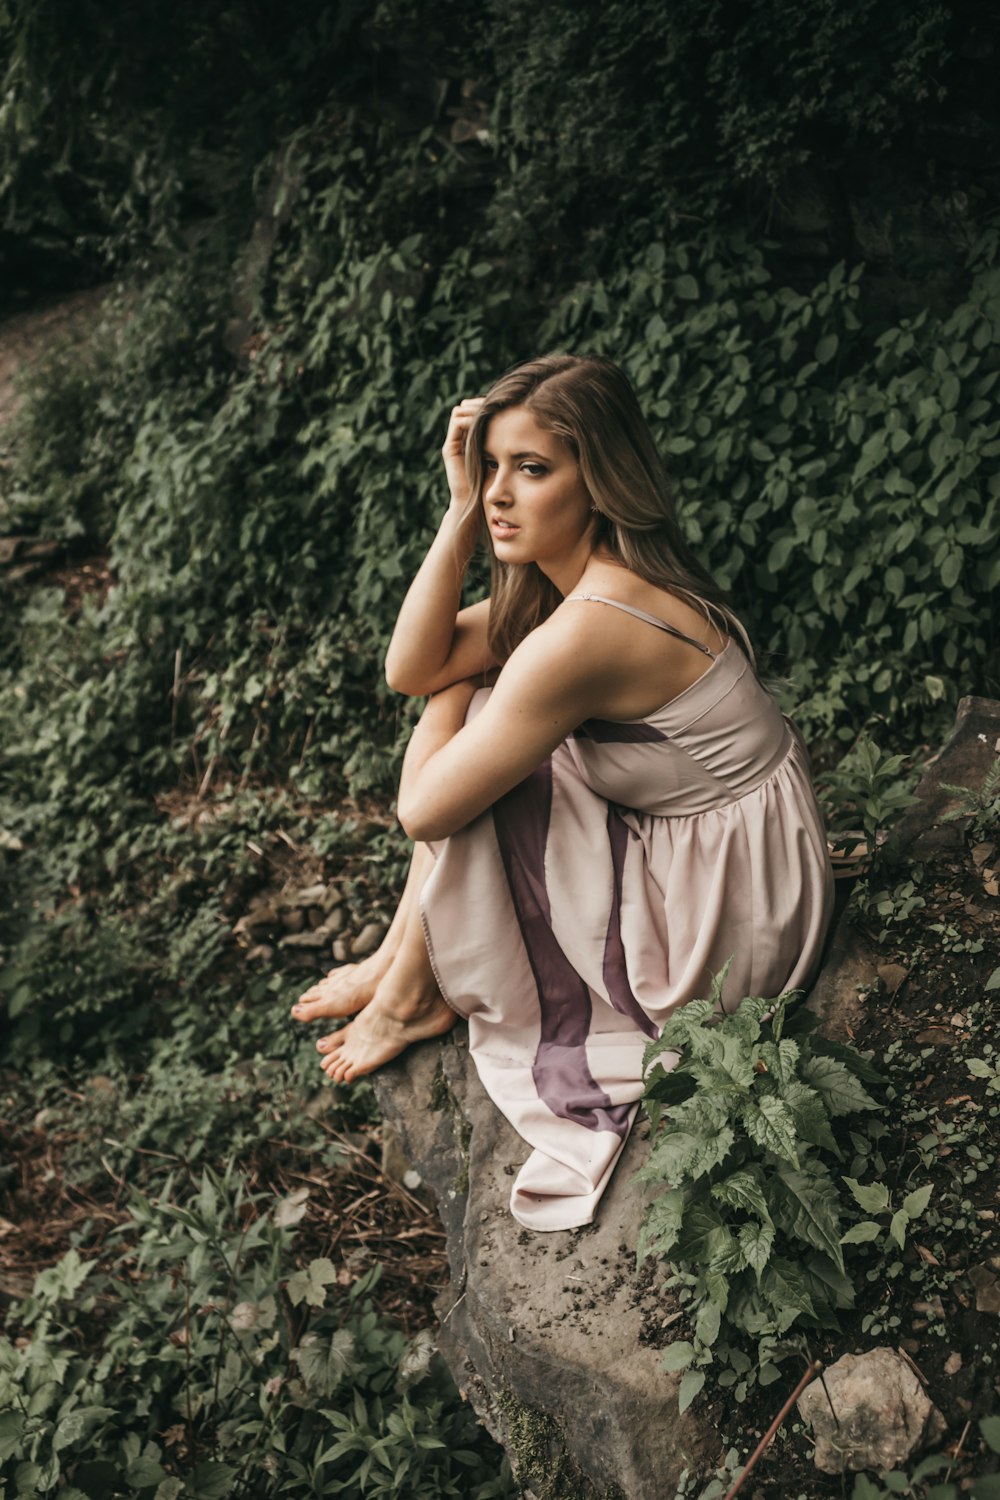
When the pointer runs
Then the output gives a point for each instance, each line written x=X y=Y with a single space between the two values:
x=534 y=470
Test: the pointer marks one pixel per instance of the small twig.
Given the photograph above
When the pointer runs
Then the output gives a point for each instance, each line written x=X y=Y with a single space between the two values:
x=958 y=1451
x=918 y=1372
x=452 y=1308
x=308 y=739
x=829 y=1401
x=175 y=693
x=206 y=779
x=192 y=1442
x=139 y=1151
x=673 y=1317
x=765 y=1442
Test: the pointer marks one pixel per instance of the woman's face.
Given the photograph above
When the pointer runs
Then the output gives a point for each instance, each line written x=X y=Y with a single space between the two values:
x=537 y=507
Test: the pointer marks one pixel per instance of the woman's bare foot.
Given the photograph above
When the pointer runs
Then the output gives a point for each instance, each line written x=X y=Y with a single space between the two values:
x=396 y=1016
x=344 y=990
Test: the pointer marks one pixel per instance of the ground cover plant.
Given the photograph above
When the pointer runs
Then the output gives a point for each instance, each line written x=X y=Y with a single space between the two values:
x=242 y=1308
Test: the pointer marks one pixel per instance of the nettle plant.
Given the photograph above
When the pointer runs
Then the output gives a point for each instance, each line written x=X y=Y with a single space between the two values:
x=752 y=1221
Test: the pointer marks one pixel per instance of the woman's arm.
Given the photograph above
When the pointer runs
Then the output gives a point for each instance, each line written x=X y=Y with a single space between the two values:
x=435 y=642
x=453 y=771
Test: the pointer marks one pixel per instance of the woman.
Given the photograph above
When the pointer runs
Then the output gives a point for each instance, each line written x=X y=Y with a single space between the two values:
x=600 y=831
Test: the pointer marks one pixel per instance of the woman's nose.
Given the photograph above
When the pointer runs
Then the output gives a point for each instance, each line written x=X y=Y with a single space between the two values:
x=496 y=489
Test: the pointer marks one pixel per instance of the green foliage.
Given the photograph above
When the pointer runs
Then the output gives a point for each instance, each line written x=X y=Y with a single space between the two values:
x=847 y=492
x=876 y=1199
x=924 y=1483
x=115 y=128
x=331 y=226
x=744 y=1131
x=867 y=787
x=682 y=109
x=980 y=805
x=200 y=1370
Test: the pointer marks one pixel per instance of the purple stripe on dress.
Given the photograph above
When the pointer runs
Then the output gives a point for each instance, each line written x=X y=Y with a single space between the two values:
x=561 y=1072
x=615 y=973
x=607 y=732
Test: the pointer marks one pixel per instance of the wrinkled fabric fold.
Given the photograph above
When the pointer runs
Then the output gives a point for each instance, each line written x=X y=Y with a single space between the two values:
x=572 y=918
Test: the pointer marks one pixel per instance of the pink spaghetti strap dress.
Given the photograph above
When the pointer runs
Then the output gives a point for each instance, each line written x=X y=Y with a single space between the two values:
x=572 y=917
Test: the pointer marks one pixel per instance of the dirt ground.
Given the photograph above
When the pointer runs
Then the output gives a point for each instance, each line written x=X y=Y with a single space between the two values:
x=26 y=335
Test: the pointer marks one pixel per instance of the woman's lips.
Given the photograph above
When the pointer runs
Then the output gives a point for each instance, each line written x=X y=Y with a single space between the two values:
x=503 y=529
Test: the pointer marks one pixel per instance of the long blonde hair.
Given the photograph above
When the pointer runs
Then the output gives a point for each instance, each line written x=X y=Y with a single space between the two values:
x=588 y=402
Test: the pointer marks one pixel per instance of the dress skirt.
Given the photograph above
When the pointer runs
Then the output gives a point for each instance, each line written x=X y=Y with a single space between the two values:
x=570 y=919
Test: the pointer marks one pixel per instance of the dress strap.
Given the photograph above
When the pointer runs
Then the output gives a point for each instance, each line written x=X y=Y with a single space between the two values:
x=641 y=614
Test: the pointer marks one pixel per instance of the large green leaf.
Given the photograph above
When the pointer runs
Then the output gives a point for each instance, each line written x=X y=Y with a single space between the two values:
x=704 y=1237
x=771 y=1124
x=668 y=1087
x=679 y=1029
x=872 y=1197
x=841 y=1090
x=694 y=1139
x=691 y=1384
x=708 y=1323
x=914 y=1203
x=725 y=1065
x=745 y=1022
x=780 y=1059
x=809 y=1113
x=787 y=1290
x=861 y=1234
x=854 y=1062
x=756 y=1242
x=743 y=1190
x=827 y=1283
x=662 y=1223
x=677 y=1356
x=806 y=1206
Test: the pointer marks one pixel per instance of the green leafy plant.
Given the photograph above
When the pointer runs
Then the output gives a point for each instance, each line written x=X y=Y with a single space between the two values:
x=987 y=1068
x=875 y=1198
x=213 y=1365
x=923 y=1482
x=867 y=787
x=980 y=805
x=752 y=1222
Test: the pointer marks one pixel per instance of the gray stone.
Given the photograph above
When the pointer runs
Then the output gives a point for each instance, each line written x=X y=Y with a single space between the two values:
x=546 y=1333
x=963 y=760
x=880 y=1416
x=313 y=937
x=986 y=1284
x=310 y=895
x=367 y=939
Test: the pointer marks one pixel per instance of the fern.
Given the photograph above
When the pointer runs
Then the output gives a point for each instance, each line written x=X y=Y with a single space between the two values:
x=744 y=1132
x=982 y=806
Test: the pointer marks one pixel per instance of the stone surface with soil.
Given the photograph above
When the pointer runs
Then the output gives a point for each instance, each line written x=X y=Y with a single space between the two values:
x=555 y=1338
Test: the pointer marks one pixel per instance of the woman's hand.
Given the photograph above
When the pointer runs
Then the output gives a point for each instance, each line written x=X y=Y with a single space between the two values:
x=462 y=417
